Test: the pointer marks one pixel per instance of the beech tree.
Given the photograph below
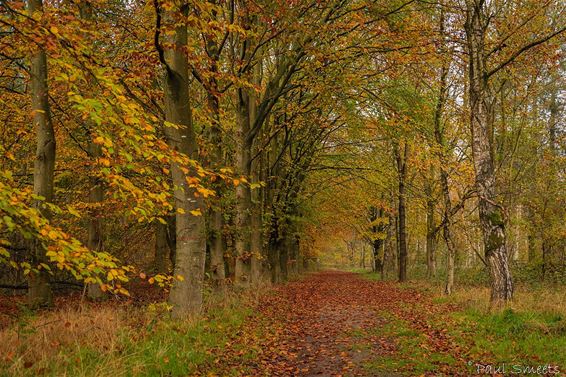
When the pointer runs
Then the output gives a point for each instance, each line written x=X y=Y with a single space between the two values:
x=186 y=293
x=39 y=293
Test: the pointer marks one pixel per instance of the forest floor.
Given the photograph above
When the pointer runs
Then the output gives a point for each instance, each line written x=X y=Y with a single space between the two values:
x=329 y=323
x=342 y=324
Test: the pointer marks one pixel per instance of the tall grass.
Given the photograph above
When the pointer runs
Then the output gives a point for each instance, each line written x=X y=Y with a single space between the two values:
x=111 y=339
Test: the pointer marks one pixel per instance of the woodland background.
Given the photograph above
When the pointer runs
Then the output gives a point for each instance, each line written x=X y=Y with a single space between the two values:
x=202 y=146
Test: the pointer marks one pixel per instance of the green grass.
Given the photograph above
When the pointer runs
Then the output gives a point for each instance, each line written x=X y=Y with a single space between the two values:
x=176 y=349
x=162 y=348
x=370 y=275
x=530 y=333
x=412 y=357
x=509 y=336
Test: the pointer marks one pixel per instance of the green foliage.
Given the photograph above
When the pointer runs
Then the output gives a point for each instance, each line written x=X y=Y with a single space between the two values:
x=64 y=251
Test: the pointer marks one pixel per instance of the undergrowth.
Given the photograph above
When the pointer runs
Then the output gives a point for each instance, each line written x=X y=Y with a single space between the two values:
x=109 y=340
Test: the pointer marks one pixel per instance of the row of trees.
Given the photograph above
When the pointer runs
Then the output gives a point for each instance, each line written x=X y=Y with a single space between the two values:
x=241 y=136
x=483 y=140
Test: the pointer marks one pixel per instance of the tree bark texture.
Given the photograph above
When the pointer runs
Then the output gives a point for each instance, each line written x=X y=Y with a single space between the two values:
x=190 y=253
x=491 y=213
x=39 y=292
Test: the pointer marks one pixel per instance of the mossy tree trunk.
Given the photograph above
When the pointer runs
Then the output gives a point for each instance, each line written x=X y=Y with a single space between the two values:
x=491 y=213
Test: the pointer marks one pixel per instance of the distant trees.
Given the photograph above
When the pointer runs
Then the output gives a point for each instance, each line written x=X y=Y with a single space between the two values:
x=470 y=126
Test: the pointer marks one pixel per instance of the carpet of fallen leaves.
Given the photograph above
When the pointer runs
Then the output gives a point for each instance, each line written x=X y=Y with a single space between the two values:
x=312 y=327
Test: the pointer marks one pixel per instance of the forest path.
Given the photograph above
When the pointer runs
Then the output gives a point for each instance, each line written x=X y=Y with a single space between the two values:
x=336 y=323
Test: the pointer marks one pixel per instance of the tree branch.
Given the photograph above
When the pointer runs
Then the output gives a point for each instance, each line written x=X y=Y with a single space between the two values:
x=156 y=35
x=524 y=49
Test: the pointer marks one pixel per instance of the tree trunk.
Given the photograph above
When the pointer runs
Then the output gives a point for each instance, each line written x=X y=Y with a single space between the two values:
x=292 y=256
x=255 y=241
x=450 y=256
x=95 y=240
x=39 y=292
x=216 y=242
x=376 y=216
x=389 y=254
x=216 y=220
x=531 y=248
x=217 y=269
x=190 y=254
x=96 y=195
x=430 y=236
x=378 y=256
x=401 y=157
x=439 y=137
x=384 y=251
x=256 y=221
x=161 y=248
x=274 y=257
x=243 y=194
x=446 y=227
x=396 y=259
x=172 y=239
x=552 y=184
x=247 y=249
x=284 y=258
x=274 y=233
x=544 y=265
x=297 y=251
x=491 y=214
x=300 y=258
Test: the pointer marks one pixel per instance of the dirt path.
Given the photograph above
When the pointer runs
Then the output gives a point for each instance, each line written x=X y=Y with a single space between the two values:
x=339 y=324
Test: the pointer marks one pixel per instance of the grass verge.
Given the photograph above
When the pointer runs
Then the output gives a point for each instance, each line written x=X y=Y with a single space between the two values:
x=412 y=355
x=110 y=340
x=529 y=332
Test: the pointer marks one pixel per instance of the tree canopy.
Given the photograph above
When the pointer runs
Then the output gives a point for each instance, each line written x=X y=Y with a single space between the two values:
x=211 y=142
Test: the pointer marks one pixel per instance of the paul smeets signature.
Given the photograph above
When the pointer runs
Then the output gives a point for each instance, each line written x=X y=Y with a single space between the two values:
x=543 y=370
